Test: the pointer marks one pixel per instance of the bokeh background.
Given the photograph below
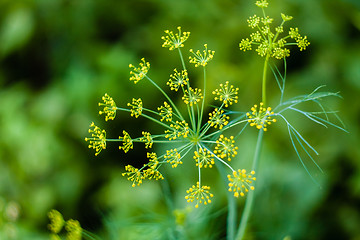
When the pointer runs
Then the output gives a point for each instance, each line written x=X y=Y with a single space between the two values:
x=58 y=57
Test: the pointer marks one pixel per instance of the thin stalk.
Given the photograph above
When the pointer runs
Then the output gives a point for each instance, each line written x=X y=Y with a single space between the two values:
x=250 y=198
x=203 y=102
x=167 y=97
x=264 y=79
x=232 y=207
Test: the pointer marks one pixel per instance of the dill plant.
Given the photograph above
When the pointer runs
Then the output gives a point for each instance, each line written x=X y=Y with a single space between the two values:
x=201 y=133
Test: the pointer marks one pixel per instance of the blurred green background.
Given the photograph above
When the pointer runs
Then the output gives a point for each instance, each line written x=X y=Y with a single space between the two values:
x=58 y=57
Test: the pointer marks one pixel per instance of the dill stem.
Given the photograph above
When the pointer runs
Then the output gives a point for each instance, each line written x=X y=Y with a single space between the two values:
x=264 y=79
x=232 y=207
x=250 y=198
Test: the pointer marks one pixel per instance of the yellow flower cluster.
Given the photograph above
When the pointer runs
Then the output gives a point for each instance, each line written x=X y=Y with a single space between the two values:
x=192 y=96
x=134 y=175
x=147 y=139
x=178 y=79
x=173 y=157
x=225 y=147
x=199 y=194
x=127 y=142
x=203 y=158
x=97 y=140
x=140 y=72
x=177 y=130
x=165 y=112
x=226 y=94
x=240 y=182
x=109 y=107
x=201 y=59
x=260 y=116
x=267 y=41
x=173 y=41
x=136 y=107
x=217 y=118
x=57 y=222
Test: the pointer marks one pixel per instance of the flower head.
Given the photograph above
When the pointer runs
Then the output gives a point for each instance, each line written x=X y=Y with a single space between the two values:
x=192 y=96
x=109 y=107
x=203 y=158
x=177 y=130
x=140 y=72
x=127 y=142
x=136 y=107
x=225 y=147
x=270 y=43
x=147 y=139
x=165 y=112
x=176 y=40
x=97 y=140
x=152 y=171
x=201 y=59
x=253 y=21
x=240 y=182
x=260 y=117
x=199 y=194
x=56 y=221
x=73 y=229
x=226 y=94
x=178 y=80
x=262 y=3
x=134 y=175
x=173 y=157
x=217 y=118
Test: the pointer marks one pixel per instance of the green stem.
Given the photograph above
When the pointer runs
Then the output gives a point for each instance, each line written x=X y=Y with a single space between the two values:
x=250 y=197
x=264 y=79
x=167 y=97
x=232 y=207
x=203 y=102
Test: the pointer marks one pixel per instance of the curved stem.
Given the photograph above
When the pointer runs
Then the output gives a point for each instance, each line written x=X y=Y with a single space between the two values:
x=250 y=197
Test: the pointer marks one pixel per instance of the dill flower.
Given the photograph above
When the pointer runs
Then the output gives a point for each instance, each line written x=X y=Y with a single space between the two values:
x=270 y=43
x=147 y=139
x=97 y=140
x=173 y=157
x=225 y=147
x=203 y=158
x=56 y=221
x=240 y=182
x=253 y=21
x=262 y=3
x=201 y=59
x=166 y=112
x=109 y=107
x=217 y=118
x=140 y=72
x=177 y=130
x=134 y=175
x=226 y=94
x=176 y=40
x=192 y=96
x=73 y=229
x=178 y=79
x=260 y=117
x=136 y=107
x=152 y=172
x=127 y=142
x=199 y=194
